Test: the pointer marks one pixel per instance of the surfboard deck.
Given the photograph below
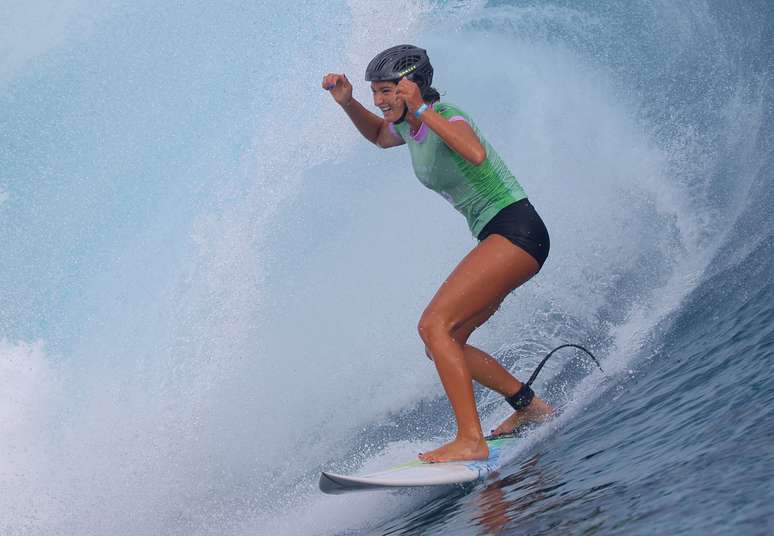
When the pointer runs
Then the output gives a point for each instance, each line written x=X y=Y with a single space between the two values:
x=417 y=473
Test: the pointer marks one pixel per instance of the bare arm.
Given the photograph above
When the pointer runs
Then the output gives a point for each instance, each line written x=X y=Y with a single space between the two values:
x=371 y=126
x=459 y=136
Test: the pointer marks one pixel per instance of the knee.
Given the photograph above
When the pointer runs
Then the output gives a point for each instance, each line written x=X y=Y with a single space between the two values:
x=431 y=327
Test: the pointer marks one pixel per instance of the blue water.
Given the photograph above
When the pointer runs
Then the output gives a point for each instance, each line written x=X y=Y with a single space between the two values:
x=210 y=283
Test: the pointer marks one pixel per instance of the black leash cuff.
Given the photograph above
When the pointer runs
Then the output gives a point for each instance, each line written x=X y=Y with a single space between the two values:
x=522 y=398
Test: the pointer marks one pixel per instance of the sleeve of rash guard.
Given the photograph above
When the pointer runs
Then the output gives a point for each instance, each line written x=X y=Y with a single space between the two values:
x=451 y=113
x=394 y=132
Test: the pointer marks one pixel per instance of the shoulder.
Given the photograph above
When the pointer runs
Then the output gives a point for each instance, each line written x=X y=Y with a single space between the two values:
x=450 y=111
x=400 y=129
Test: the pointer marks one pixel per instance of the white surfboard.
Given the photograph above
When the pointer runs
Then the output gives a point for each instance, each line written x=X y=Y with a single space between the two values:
x=417 y=473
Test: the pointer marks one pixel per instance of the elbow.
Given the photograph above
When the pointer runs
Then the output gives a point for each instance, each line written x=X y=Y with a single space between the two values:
x=478 y=157
x=380 y=142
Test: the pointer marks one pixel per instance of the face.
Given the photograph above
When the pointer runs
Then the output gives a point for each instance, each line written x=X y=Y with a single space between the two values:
x=385 y=99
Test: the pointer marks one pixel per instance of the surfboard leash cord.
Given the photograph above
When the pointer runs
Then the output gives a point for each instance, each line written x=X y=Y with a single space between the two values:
x=568 y=345
x=524 y=397
x=525 y=394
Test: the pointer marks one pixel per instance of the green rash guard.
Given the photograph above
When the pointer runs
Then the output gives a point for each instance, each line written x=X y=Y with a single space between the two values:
x=478 y=192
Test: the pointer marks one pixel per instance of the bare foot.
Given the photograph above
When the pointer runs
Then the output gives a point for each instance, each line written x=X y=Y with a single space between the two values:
x=537 y=411
x=458 y=450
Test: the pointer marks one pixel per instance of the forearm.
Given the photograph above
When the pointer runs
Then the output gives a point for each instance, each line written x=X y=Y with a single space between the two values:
x=368 y=123
x=457 y=139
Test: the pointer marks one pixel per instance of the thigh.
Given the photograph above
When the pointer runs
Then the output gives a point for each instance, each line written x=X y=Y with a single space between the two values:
x=474 y=290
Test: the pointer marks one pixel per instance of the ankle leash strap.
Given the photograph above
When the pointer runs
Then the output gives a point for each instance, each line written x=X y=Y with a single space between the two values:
x=522 y=398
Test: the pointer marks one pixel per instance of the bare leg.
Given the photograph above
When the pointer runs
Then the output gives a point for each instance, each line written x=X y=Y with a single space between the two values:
x=458 y=384
x=474 y=289
x=487 y=371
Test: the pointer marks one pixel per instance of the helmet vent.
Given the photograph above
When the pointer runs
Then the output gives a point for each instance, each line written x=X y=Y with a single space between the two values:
x=379 y=66
x=399 y=61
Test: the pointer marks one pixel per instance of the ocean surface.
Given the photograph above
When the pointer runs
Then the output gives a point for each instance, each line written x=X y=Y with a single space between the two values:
x=210 y=283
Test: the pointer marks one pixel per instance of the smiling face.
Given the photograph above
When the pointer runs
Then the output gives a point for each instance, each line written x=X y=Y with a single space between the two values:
x=385 y=99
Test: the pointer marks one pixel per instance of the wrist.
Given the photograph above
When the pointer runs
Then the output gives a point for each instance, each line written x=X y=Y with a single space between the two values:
x=421 y=109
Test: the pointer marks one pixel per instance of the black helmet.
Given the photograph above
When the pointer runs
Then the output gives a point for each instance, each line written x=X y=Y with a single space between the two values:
x=399 y=61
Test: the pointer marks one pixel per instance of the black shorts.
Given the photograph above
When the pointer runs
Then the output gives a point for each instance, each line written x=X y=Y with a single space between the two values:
x=521 y=224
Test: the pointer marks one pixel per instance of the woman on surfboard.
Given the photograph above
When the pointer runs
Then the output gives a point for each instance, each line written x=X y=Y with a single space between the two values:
x=450 y=156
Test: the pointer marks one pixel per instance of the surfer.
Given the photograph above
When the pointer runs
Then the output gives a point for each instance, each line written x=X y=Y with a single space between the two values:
x=449 y=155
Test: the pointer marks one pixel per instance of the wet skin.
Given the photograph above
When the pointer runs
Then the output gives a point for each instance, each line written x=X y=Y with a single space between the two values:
x=471 y=293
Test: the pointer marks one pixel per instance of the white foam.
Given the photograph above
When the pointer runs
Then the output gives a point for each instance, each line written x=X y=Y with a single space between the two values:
x=29 y=30
x=24 y=381
x=210 y=406
x=27 y=383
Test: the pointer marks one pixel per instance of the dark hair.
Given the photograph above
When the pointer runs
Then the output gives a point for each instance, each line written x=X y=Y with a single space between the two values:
x=431 y=95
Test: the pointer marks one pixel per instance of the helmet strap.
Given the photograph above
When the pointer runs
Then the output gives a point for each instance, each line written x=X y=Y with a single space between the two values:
x=403 y=115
